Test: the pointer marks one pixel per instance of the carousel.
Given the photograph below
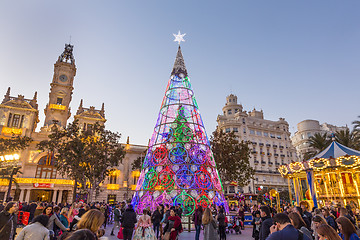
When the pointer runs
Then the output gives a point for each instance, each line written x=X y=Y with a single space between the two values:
x=332 y=177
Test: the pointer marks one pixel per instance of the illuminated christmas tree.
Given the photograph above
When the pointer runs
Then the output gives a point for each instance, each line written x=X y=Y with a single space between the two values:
x=179 y=168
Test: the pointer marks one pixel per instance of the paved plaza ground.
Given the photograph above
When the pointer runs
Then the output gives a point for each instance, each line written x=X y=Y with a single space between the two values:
x=246 y=235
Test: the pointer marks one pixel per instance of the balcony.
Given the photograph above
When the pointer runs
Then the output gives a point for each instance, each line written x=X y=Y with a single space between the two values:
x=281 y=147
x=254 y=143
x=58 y=107
x=268 y=145
x=270 y=163
x=11 y=131
x=282 y=155
x=263 y=163
x=274 y=146
x=261 y=144
x=256 y=162
x=276 y=155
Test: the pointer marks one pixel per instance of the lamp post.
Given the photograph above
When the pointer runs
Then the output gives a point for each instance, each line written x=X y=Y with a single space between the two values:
x=10 y=160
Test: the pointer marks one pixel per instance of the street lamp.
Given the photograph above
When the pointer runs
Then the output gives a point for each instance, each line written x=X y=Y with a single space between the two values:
x=10 y=160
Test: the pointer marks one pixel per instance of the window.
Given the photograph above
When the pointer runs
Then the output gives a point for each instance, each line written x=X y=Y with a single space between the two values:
x=272 y=135
x=308 y=135
x=9 y=120
x=258 y=133
x=244 y=130
x=252 y=132
x=243 y=120
x=59 y=101
x=231 y=189
x=45 y=168
x=235 y=130
x=16 y=121
x=229 y=111
x=111 y=198
x=112 y=178
x=229 y=99
x=227 y=130
x=22 y=121
x=266 y=134
x=236 y=110
x=278 y=136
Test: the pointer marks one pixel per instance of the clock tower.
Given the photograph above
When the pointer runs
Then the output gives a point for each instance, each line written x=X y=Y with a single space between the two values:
x=57 y=110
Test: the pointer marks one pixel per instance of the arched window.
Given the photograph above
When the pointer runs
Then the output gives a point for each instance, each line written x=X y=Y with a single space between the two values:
x=45 y=168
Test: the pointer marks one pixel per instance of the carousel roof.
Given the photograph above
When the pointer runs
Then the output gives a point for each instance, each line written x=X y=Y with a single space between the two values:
x=335 y=150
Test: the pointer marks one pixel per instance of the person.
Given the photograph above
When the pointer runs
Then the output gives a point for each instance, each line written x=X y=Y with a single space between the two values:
x=117 y=216
x=316 y=222
x=241 y=213
x=256 y=225
x=283 y=230
x=197 y=219
x=326 y=232
x=303 y=216
x=77 y=219
x=222 y=224
x=39 y=209
x=156 y=219
x=297 y=221
x=266 y=222
x=92 y=220
x=347 y=229
x=32 y=208
x=330 y=219
x=100 y=234
x=344 y=213
x=64 y=217
x=128 y=221
x=8 y=221
x=304 y=207
x=178 y=211
x=173 y=226
x=82 y=234
x=143 y=230
x=49 y=211
x=36 y=230
x=73 y=211
x=210 y=232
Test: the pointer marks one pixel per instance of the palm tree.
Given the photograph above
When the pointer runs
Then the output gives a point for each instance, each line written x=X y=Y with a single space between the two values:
x=319 y=141
x=356 y=124
x=348 y=138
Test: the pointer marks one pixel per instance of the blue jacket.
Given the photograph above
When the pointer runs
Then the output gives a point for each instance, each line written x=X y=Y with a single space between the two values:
x=289 y=232
x=353 y=236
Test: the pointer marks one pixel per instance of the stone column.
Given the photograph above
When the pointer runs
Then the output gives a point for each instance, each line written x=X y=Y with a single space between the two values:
x=54 y=196
x=27 y=197
x=21 y=197
x=60 y=196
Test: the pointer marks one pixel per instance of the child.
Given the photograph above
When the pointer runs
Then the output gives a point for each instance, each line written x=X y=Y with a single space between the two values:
x=256 y=222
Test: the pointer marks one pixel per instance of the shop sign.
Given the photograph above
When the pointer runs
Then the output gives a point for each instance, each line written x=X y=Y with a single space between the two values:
x=43 y=185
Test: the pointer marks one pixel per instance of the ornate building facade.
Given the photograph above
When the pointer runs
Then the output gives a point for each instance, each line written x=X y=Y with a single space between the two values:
x=270 y=145
x=39 y=180
x=306 y=129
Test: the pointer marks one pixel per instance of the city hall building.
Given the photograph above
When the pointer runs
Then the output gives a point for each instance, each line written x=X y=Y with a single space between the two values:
x=39 y=180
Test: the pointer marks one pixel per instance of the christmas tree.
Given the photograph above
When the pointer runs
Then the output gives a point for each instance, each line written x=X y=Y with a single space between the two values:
x=179 y=168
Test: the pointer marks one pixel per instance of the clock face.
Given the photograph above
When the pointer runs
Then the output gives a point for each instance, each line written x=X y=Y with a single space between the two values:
x=63 y=78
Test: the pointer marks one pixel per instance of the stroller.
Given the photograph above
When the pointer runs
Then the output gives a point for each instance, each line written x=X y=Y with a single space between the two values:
x=234 y=226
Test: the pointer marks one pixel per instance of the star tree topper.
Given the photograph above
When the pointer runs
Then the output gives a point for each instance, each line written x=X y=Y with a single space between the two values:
x=179 y=37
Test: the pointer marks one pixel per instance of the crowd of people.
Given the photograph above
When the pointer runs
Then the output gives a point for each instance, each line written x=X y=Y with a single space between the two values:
x=298 y=223
x=89 y=221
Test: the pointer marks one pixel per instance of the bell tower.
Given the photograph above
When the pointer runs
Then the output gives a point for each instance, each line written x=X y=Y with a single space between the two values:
x=57 y=110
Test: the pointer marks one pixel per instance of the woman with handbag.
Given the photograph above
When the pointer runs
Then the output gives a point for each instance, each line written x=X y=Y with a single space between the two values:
x=210 y=226
x=173 y=227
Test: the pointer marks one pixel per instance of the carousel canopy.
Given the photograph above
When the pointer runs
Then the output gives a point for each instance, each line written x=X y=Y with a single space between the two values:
x=335 y=150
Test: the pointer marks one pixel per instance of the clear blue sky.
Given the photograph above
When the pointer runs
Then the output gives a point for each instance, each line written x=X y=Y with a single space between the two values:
x=293 y=59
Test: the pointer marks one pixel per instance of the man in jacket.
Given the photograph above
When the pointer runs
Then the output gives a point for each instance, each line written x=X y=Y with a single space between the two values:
x=128 y=221
x=8 y=221
x=266 y=222
x=117 y=216
x=283 y=230
x=156 y=219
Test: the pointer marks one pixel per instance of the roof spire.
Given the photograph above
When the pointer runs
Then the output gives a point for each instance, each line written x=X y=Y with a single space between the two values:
x=33 y=101
x=7 y=96
x=35 y=96
x=102 y=111
x=80 y=109
x=179 y=65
